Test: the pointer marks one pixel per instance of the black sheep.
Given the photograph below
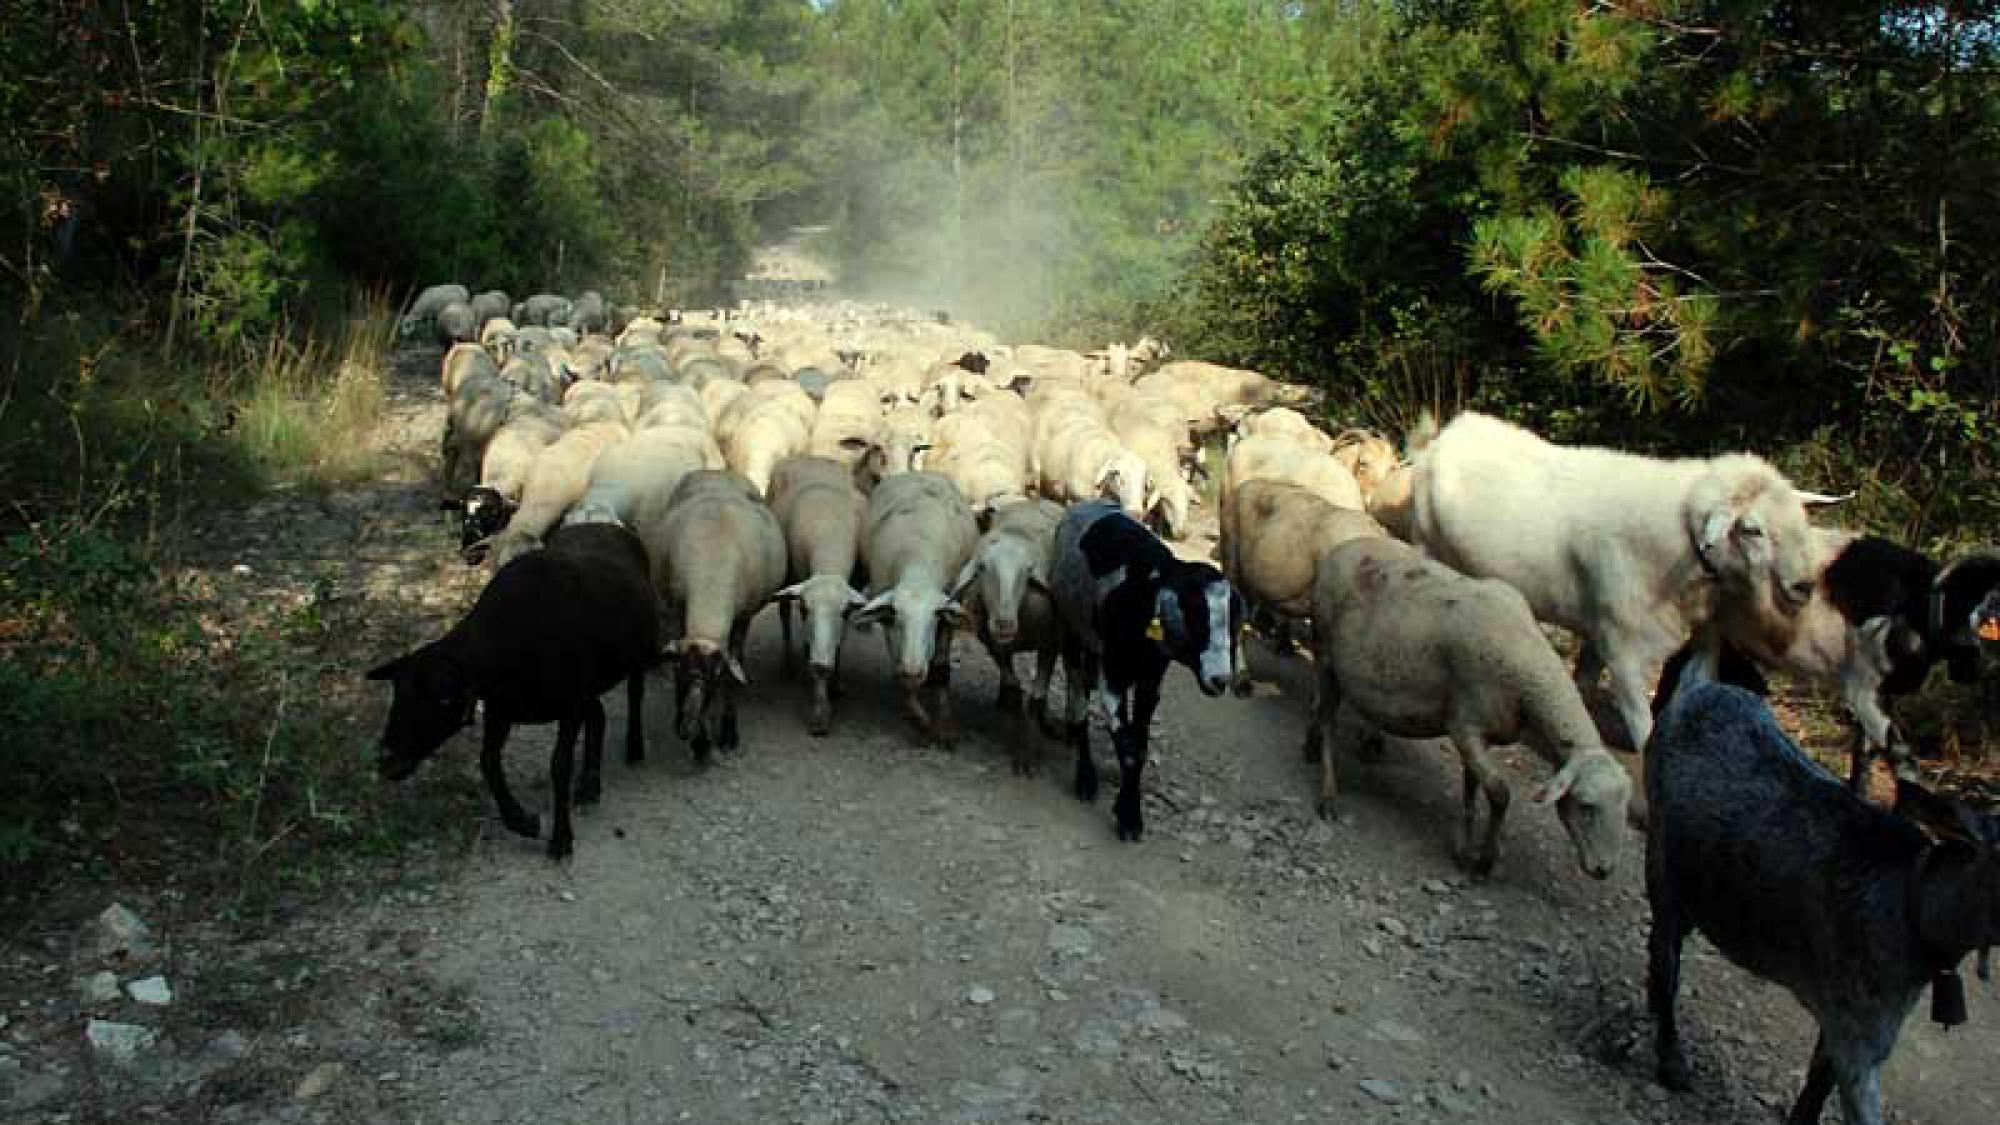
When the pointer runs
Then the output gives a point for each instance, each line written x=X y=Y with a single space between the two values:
x=553 y=631
x=1128 y=609
x=1801 y=882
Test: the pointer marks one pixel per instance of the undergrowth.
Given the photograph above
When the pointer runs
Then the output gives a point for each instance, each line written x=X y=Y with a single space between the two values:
x=151 y=736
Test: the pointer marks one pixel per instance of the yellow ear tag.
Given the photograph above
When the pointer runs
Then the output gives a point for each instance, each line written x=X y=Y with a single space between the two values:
x=1155 y=631
x=1989 y=629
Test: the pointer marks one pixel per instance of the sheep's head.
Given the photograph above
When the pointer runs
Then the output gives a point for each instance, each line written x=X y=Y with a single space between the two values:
x=434 y=700
x=1591 y=792
x=912 y=615
x=1749 y=528
x=486 y=513
x=1122 y=477
x=703 y=671
x=1367 y=455
x=1000 y=573
x=827 y=600
x=1196 y=611
x=1169 y=504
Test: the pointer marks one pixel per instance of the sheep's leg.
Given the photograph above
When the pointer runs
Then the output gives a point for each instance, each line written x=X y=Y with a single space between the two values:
x=635 y=716
x=518 y=820
x=1079 y=674
x=1589 y=669
x=1130 y=742
x=1633 y=699
x=1320 y=738
x=1860 y=1084
x=1859 y=762
x=1472 y=752
x=819 y=719
x=727 y=738
x=1009 y=700
x=1663 y=982
x=1038 y=699
x=938 y=679
x=791 y=659
x=1240 y=682
x=562 y=840
x=590 y=782
x=1819 y=1083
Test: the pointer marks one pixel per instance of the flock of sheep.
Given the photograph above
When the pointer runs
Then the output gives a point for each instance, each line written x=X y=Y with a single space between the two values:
x=860 y=469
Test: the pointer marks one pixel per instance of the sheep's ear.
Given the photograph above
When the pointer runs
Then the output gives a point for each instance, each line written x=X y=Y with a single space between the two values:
x=967 y=575
x=789 y=593
x=736 y=671
x=955 y=614
x=671 y=653
x=856 y=444
x=1232 y=413
x=875 y=609
x=1814 y=501
x=387 y=671
x=1037 y=583
x=1558 y=787
x=855 y=599
x=1944 y=817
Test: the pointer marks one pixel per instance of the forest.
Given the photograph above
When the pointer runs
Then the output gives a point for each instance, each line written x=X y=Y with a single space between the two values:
x=1677 y=222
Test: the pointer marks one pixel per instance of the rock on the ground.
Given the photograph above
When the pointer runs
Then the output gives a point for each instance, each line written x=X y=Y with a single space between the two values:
x=117 y=933
x=119 y=1043
x=95 y=989
x=1382 y=1090
x=152 y=990
x=318 y=1081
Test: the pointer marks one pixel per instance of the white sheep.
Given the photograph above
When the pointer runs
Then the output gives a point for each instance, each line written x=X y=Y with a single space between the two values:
x=1632 y=553
x=1004 y=585
x=460 y=363
x=918 y=535
x=820 y=512
x=560 y=477
x=717 y=556
x=1277 y=533
x=1419 y=651
x=761 y=427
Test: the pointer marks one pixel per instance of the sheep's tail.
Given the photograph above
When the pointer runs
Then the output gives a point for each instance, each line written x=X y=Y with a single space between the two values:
x=1421 y=435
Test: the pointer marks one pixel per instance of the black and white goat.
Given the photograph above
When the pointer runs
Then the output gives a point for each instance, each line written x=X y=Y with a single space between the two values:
x=1128 y=609
x=1800 y=881
x=1880 y=618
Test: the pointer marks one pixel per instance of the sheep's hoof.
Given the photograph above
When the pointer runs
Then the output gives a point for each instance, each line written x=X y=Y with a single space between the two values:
x=1131 y=820
x=1010 y=698
x=818 y=723
x=561 y=846
x=1026 y=765
x=1086 y=785
x=699 y=749
x=1477 y=864
x=1243 y=687
x=1310 y=751
x=528 y=825
x=1329 y=810
x=589 y=790
x=1673 y=1073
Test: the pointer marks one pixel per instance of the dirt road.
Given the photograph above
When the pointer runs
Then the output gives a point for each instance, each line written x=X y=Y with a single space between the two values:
x=859 y=928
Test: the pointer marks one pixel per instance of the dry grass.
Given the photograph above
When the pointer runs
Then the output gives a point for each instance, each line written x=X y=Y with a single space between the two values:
x=305 y=409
